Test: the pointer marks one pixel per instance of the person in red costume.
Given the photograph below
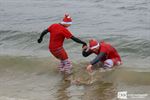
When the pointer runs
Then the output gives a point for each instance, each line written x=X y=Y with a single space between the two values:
x=107 y=55
x=58 y=33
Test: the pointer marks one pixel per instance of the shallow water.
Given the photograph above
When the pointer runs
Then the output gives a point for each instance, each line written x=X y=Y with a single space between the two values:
x=37 y=79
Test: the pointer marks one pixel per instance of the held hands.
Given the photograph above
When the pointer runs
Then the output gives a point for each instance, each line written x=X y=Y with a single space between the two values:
x=84 y=47
x=39 y=40
x=89 y=68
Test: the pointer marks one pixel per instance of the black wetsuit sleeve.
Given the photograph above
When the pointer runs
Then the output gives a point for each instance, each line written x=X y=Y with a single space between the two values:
x=86 y=52
x=97 y=58
x=78 y=40
x=43 y=33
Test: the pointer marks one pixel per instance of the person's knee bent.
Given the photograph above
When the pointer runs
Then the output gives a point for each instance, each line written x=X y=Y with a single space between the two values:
x=108 y=63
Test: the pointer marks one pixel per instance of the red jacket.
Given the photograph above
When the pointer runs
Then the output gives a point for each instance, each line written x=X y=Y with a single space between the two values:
x=110 y=51
x=57 y=35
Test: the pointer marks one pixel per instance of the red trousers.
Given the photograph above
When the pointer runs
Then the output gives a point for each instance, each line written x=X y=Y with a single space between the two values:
x=65 y=64
x=60 y=53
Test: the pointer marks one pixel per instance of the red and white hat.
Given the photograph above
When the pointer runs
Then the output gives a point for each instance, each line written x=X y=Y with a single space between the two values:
x=67 y=19
x=93 y=44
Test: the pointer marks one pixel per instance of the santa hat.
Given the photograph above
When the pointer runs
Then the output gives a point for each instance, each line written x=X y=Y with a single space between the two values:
x=93 y=44
x=67 y=19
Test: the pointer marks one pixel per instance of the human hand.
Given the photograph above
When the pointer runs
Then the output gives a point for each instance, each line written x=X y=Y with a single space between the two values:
x=84 y=47
x=39 y=40
x=89 y=68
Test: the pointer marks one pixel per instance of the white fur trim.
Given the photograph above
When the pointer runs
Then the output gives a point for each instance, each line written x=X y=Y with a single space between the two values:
x=95 y=46
x=66 y=22
x=68 y=17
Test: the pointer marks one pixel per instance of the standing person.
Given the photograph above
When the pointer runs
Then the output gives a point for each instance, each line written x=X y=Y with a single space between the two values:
x=107 y=55
x=58 y=33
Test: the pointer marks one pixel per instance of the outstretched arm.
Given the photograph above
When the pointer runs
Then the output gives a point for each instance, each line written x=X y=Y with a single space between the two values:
x=78 y=40
x=94 y=61
x=42 y=35
x=97 y=58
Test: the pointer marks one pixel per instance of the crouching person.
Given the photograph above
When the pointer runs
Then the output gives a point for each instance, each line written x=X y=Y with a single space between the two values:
x=107 y=55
